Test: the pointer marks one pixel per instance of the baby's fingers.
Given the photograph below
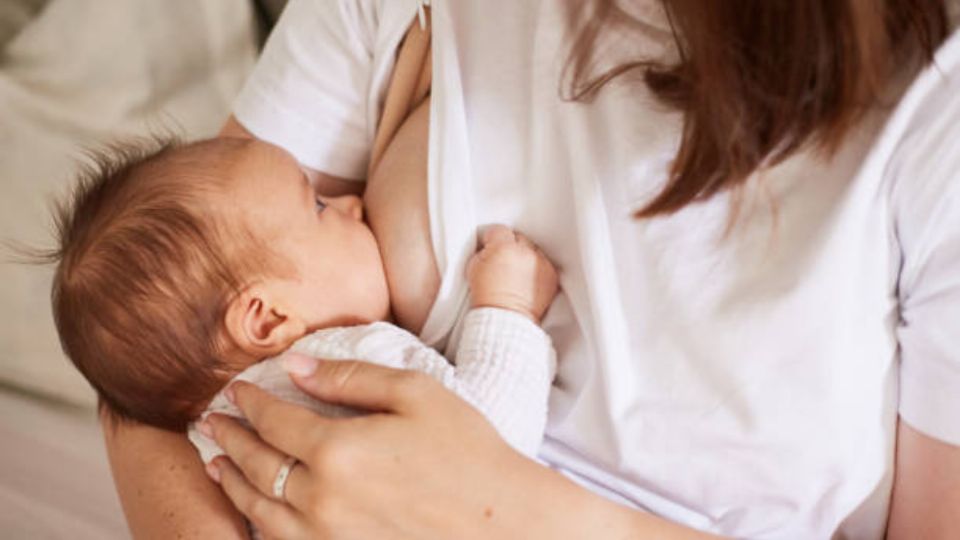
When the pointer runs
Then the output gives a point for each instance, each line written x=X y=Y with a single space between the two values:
x=497 y=234
x=525 y=242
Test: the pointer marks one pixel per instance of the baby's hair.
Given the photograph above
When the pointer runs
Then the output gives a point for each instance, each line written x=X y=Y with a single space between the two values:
x=144 y=278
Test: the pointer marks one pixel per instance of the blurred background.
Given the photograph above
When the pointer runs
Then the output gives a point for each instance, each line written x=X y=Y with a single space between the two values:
x=73 y=74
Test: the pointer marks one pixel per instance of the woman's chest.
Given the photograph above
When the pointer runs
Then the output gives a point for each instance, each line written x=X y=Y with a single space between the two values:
x=396 y=206
x=799 y=268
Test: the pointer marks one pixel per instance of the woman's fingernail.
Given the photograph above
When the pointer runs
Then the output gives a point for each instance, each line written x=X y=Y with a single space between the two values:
x=206 y=429
x=299 y=364
x=231 y=395
x=213 y=471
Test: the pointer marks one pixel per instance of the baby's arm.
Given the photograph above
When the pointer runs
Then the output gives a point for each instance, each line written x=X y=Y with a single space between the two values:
x=505 y=362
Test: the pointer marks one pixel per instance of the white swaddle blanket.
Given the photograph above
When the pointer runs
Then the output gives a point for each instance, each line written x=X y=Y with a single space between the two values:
x=505 y=364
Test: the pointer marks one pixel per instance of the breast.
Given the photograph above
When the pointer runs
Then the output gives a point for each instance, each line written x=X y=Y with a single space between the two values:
x=396 y=206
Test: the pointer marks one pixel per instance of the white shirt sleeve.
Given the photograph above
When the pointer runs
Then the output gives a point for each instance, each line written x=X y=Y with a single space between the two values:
x=925 y=170
x=310 y=91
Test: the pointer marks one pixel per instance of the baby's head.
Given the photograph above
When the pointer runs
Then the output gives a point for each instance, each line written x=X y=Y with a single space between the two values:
x=181 y=265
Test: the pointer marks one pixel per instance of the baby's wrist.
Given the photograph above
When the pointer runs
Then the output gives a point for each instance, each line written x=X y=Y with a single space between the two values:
x=516 y=307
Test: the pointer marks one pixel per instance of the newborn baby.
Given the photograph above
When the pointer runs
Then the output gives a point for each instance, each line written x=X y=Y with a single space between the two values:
x=181 y=268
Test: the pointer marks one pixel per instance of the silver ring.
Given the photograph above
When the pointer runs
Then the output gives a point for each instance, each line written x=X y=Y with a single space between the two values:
x=283 y=474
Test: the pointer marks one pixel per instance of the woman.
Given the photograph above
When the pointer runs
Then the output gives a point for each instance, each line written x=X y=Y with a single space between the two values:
x=758 y=257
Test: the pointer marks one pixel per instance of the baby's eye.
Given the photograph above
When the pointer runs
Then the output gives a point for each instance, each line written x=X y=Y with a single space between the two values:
x=320 y=205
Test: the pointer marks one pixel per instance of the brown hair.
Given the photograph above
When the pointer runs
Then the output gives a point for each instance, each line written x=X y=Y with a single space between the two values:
x=757 y=80
x=143 y=280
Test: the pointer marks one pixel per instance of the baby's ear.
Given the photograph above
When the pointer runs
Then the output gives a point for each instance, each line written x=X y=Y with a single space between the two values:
x=259 y=325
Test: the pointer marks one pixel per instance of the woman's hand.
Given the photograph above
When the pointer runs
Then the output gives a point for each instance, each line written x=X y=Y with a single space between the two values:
x=424 y=465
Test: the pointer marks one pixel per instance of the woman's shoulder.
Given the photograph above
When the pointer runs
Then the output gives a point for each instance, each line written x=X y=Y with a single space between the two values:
x=319 y=77
x=924 y=175
x=923 y=135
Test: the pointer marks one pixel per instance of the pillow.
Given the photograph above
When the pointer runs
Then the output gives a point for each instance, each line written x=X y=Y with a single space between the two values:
x=81 y=73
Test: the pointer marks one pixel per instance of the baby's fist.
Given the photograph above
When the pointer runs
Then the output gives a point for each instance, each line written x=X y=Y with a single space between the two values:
x=510 y=272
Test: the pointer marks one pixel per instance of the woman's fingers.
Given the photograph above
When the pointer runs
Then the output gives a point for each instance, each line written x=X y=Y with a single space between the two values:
x=272 y=518
x=258 y=461
x=360 y=384
x=272 y=419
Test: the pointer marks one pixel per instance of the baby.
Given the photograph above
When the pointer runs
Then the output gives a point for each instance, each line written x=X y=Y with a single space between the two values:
x=183 y=267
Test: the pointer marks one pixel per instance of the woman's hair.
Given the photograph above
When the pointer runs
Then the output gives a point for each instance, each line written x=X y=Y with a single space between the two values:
x=757 y=80
x=144 y=277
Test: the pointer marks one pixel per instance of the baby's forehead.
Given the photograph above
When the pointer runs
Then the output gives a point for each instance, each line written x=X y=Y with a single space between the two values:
x=265 y=186
x=262 y=166
x=256 y=152
x=211 y=153
x=224 y=167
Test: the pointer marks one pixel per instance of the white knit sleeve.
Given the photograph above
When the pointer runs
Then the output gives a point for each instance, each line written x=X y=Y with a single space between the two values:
x=505 y=364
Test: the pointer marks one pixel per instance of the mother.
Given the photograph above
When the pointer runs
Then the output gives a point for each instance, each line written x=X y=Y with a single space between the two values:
x=759 y=263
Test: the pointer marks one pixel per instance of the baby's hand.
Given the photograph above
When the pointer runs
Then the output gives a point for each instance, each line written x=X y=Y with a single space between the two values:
x=510 y=272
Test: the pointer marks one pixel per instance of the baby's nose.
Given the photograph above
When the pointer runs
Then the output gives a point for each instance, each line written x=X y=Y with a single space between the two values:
x=350 y=205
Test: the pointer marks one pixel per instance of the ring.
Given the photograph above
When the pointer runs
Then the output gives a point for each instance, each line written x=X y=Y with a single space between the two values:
x=280 y=482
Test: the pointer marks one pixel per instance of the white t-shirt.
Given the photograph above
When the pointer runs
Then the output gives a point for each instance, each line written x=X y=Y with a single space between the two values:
x=746 y=384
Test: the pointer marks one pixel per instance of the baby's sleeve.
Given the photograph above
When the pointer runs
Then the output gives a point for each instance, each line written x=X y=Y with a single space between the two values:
x=925 y=170
x=313 y=90
x=505 y=364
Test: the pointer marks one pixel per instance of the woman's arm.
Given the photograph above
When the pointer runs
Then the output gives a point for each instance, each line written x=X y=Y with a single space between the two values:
x=926 y=491
x=162 y=486
x=427 y=466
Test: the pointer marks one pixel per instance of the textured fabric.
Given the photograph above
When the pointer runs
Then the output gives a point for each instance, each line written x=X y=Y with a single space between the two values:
x=504 y=367
x=747 y=383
